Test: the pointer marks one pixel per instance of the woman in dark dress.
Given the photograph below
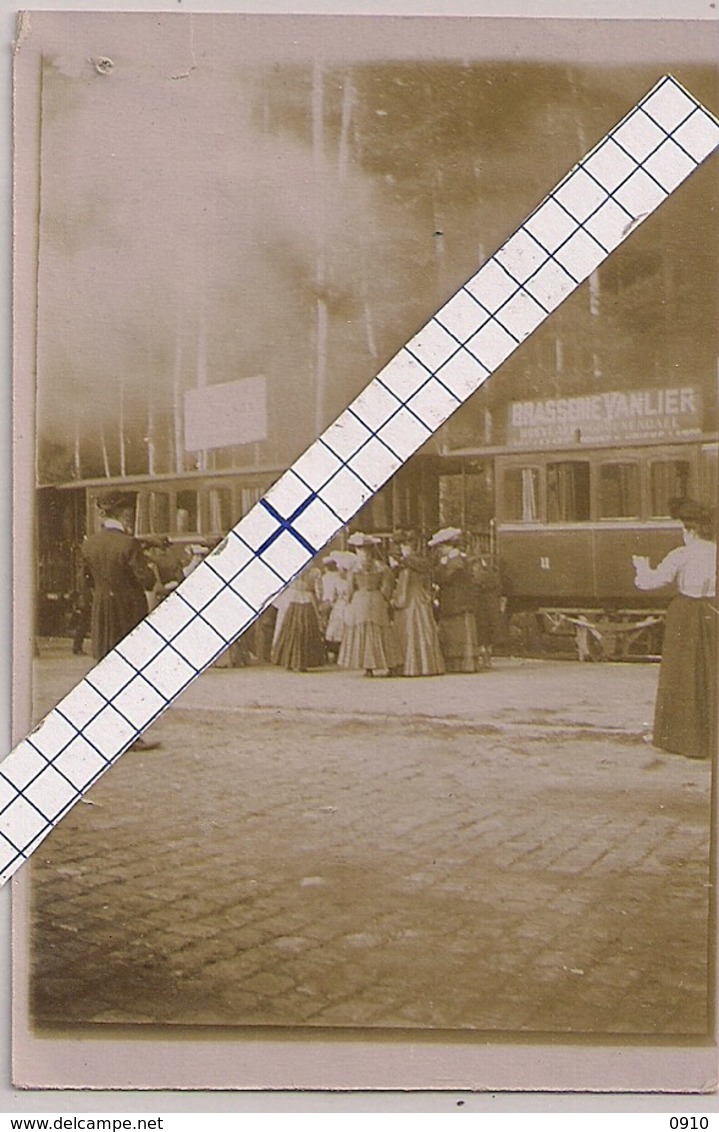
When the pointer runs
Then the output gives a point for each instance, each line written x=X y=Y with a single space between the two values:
x=488 y=607
x=414 y=621
x=457 y=602
x=685 y=715
x=299 y=643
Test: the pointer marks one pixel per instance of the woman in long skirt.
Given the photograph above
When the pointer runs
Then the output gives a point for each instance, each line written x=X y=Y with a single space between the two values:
x=414 y=621
x=457 y=601
x=685 y=715
x=337 y=598
x=488 y=607
x=369 y=640
x=299 y=643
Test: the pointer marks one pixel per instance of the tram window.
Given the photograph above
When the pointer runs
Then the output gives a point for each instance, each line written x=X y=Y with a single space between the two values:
x=451 y=506
x=479 y=496
x=708 y=465
x=669 y=479
x=159 y=512
x=405 y=503
x=377 y=513
x=186 y=512
x=619 y=491
x=568 y=492
x=142 y=515
x=220 y=504
x=249 y=496
x=521 y=495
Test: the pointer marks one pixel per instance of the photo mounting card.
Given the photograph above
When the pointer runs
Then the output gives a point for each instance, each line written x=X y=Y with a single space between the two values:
x=312 y=863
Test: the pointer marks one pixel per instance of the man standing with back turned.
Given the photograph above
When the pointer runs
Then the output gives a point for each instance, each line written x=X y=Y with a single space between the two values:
x=119 y=574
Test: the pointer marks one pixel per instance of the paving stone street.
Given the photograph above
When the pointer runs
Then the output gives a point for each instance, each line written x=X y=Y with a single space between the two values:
x=498 y=852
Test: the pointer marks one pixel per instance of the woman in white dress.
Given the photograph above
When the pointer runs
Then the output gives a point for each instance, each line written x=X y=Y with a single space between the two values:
x=685 y=715
x=336 y=593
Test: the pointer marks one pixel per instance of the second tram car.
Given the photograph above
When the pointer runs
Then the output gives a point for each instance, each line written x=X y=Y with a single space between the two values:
x=568 y=522
x=567 y=525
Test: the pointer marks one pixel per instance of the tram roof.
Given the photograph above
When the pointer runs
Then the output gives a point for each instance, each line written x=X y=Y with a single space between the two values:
x=445 y=457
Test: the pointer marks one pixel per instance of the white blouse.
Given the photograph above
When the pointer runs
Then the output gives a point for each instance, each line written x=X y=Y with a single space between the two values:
x=692 y=567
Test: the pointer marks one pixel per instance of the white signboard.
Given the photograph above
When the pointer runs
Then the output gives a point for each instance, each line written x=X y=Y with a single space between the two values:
x=226 y=414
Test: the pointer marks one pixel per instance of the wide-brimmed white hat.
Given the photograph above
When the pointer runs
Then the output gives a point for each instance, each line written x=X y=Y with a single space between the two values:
x=359 y=539
x=447 y=534
x=343 y=559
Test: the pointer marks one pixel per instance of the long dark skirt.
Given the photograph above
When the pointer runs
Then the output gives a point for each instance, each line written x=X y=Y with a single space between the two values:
x=488 y=615
x=458 y=641
x=299 y=644
x=685 y=717
x=113 y=617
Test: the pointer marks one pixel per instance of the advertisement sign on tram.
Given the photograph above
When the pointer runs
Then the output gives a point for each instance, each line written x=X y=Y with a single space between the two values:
x=617 y=417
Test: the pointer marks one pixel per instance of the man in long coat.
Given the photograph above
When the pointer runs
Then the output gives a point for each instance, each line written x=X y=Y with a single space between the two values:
x=119 y=573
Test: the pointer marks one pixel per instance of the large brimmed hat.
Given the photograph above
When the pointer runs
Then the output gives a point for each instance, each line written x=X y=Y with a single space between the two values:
x=343 y=559
x=359 y=539
x=115 y=500
x=447 y=534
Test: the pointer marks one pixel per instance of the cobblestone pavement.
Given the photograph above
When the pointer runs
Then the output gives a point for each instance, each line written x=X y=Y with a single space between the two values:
x=499 y=852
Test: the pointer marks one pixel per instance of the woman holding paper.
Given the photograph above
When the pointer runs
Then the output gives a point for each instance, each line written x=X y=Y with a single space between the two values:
x=685 y=716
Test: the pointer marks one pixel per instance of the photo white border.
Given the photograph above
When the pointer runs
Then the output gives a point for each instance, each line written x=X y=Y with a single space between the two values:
x=24 y=1101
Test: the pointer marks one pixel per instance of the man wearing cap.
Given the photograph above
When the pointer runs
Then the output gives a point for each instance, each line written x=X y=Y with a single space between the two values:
x=118 y=571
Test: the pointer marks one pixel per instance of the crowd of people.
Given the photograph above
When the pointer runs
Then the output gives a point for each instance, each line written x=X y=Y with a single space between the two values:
x=410 y=611
x=406 y=607
x=410 y=607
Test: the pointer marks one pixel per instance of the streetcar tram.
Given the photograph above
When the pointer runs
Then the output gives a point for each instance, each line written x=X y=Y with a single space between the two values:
x=568 y=524
x=583 y=484
x=578 y=486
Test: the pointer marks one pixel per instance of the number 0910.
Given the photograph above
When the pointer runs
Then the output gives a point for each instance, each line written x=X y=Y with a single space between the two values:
x=688 y=1122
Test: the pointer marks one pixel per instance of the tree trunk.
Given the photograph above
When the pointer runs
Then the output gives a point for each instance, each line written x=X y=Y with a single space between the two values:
x=121 y=429
x=348 y=98
x=77 y=461
x=438 y=234
x=105 y=457
x=202 y=379
x=321 y=325
x=151 y=454
x=177 y=403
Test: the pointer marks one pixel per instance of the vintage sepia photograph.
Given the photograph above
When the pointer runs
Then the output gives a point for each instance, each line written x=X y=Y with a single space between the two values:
x=454 y=784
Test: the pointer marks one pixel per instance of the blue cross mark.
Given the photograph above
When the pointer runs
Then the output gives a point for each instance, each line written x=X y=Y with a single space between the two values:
x=286 y=525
